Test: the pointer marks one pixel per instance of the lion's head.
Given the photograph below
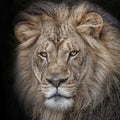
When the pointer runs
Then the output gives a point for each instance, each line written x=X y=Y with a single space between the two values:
x=67 y=58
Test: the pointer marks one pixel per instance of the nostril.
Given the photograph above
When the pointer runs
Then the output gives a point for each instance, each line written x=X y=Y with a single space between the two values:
x=50 y=81
x=63 y=80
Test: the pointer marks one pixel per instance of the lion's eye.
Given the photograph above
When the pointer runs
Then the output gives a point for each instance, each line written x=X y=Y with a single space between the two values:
x=73 y=53
x=43 y=54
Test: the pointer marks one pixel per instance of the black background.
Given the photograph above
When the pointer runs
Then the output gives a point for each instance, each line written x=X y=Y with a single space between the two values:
x=8 y=10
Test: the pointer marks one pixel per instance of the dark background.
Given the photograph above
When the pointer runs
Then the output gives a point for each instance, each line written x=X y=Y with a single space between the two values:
x=8 y=10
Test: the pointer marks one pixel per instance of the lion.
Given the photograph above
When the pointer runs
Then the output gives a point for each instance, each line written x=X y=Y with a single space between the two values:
x=68 y=62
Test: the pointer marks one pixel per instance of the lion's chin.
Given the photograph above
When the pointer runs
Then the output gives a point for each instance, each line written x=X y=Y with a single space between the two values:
x=59 y=103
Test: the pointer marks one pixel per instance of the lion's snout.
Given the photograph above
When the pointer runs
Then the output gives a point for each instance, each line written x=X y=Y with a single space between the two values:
x=57 y=75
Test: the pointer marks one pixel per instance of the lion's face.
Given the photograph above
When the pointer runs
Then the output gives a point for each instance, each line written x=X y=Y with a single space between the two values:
x=63 y=61
x=58 y=59
x=57 y=66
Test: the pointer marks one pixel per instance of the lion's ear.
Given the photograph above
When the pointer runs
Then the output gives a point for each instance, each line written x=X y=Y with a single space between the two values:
x=25 y=31
x=91 y=24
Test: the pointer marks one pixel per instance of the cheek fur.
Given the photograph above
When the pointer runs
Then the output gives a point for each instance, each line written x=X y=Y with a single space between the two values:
x=39 y=66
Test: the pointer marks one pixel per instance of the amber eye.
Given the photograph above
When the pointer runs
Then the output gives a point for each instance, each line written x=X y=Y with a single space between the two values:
x=43 y=54
x=73 y=53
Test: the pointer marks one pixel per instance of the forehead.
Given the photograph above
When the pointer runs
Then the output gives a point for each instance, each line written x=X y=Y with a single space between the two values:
x=59 y=33
x=56 y=32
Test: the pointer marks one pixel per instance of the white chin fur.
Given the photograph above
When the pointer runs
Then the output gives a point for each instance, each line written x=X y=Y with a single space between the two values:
x=59 y=104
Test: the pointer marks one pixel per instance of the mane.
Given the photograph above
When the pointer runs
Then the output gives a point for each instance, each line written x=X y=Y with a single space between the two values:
x=29 y=91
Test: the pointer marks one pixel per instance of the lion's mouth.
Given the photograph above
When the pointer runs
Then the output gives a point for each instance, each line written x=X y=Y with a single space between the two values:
x=58 y=96
x=59 y=100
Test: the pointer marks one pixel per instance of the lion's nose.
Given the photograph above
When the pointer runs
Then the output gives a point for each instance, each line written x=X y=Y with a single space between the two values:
x=56 y=82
